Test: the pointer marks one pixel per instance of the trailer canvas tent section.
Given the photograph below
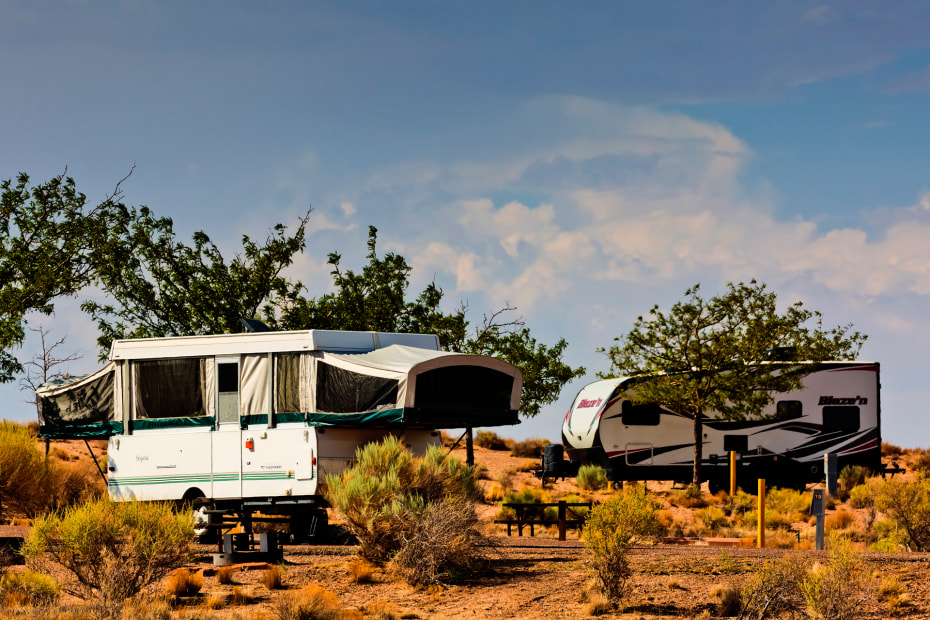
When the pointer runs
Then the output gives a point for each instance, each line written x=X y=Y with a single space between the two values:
x=256 y=419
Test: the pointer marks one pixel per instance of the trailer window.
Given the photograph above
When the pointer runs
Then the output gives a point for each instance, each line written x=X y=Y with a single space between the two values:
x=840 y=418
x=646 y=414
x=788 y=409
x=287 y=382
x=344 y=391
x=169 y=389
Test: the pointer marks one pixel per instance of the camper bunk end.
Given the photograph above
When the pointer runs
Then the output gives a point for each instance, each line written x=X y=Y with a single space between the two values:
x=241 y=423
x=836 y=411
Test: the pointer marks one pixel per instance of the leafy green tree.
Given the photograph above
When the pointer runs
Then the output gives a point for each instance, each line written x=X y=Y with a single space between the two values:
x=163 y=287
x=707 y=355
x=48 y=237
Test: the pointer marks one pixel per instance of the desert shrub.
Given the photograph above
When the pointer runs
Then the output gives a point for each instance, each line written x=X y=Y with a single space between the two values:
x=241 y=596
x=184 y=582
x=907 y=504
x=690 y=497
x=773 y=590
x=835 y=590
x=385 y=496
x=273 y=577
x=611 y=529
x=443 y=546
x=839 y=520
x=147 y=608
x=712 y=517
x=891 y=451
x=851 y=476
x=381 y=610
x=111 y=550
x=29 y=588
x=794 y=505
x=591 y=477
x=506 y=482
x=741 y=503
x=361 y=571
x=728 y=601
x=599 y=605
x=27 y=480
x=490 y=441
x=530 y=448
x=313 y=602
x=225 y=575
x=528 y=495
x=922 y=461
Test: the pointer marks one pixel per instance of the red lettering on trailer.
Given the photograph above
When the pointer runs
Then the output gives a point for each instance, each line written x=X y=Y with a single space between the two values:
x=585 y=403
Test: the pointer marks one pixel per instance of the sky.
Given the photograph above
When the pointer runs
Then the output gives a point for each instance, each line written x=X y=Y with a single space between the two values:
x=580 y=161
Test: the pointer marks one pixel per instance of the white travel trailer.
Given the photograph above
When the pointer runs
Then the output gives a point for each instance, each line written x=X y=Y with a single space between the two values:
x=836 y=411
x=252 y=422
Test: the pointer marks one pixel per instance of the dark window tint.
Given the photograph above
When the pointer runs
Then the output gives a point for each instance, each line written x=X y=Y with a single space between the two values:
x=227 y=377
x=788 y=409
x=646 y=414
x=840 y=418
x=459 y=387
x=169 y=389
x=344 y=391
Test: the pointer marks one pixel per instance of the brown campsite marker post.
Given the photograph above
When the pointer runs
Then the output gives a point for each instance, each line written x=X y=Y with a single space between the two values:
x=760 y=542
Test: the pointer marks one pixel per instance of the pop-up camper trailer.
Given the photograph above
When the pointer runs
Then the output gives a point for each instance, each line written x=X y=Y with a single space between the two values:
x=835 y=411
x=253 y=421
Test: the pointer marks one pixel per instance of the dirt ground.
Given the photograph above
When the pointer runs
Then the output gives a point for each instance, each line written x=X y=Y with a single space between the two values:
x=538 y=577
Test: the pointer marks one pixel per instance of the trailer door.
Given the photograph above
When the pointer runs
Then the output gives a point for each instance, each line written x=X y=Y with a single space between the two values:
x=227 y=438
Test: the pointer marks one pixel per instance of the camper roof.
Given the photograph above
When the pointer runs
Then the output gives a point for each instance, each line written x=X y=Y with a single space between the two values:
x=266 y=342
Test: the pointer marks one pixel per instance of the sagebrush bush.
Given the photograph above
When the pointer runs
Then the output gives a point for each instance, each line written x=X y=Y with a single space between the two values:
x=907 y=504
x=443 y=546
x=529 y=448
x=837 y=589
x=689 y=497
x=591 y=478
x=612 y=528
x=712 y=517
x=387 y=494
x=891 y=451
x=850 y=477
x=491 y=441
x=528 y=495
x=921 y=462
x=111 y=550
x=773 y=589
x=28 y=588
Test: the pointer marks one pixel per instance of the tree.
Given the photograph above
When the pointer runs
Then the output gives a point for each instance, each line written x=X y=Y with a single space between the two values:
x=162 y=287
x=709 y=355
x=48 y=237
x=42 y=367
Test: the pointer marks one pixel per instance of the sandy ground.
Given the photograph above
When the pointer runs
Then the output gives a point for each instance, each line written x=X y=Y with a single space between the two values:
x=537 y=577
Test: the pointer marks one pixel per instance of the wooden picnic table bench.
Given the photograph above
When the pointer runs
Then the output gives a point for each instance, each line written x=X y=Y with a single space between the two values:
x=533 y=514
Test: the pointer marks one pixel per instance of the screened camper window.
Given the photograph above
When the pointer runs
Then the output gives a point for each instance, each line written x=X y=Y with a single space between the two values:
x=169 y=389
x=287 y=382
x=788 y=409
x=646 y=414
x=88 y=403
x=838 y=418
x=343 y=391
x=464 y=387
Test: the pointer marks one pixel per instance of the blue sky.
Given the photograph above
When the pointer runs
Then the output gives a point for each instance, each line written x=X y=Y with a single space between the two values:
x=582 y=161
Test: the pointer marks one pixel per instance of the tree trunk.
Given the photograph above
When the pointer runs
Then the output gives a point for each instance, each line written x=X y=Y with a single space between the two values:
x=698 y=448
x=469 y=448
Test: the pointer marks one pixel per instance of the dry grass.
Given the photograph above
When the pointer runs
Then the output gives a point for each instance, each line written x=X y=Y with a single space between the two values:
x=273 y=577
x=225 y=575
x=598 y=605
x=381 y=610
x=184 y=582
x=314 y=602
x=728 y=600
x=839 y=520
x=215 y=601
x=241 y=596
x=361 y=571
